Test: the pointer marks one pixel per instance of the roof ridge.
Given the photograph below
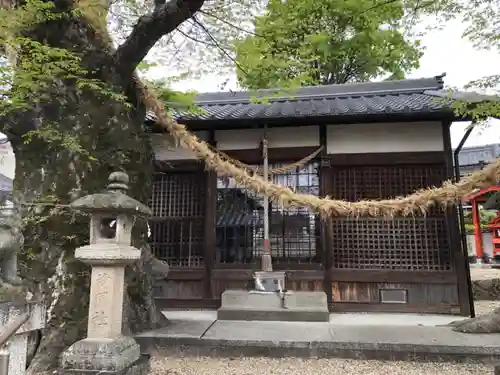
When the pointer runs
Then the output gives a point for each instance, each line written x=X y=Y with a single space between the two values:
x=326 y=91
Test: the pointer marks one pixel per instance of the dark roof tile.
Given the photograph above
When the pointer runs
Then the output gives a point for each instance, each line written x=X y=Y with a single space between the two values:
x=388 y=97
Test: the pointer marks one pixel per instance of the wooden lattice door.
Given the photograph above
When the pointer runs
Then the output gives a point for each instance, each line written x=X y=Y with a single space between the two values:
x=414 y=243
x=177 y=226
x=413 y=256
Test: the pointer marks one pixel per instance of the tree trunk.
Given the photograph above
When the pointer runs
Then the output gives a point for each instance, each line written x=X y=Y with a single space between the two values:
x=48 y=171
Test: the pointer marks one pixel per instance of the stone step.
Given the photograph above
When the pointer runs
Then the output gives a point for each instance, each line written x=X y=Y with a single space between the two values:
x=294 y=306
x=321 y=340
x=273 y=314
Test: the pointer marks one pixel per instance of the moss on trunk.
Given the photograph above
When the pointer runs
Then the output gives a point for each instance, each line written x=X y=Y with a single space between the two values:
x=48 y=171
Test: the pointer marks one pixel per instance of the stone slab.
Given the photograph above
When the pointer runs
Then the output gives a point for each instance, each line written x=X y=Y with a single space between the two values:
x=296 y=306
x=101 y=354
x=197 y=315
x=327 y=340
x=272 y=315
x=182 y=329
x=392 y=319
x=139 y=367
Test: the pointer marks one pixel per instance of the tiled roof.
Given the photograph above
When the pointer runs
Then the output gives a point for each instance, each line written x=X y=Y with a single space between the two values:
x=409 y=96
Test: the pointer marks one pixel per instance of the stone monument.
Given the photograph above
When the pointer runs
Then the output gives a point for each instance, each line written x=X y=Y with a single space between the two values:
x=19 y=313
x=106 y=349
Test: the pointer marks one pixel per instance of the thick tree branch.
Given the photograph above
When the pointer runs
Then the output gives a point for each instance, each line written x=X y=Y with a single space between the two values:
x=150 y=28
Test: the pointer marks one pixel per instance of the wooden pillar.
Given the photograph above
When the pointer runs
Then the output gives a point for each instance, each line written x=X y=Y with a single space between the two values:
x=457 y=252
x=478 y=236
x=210 y=223
x=326 y=232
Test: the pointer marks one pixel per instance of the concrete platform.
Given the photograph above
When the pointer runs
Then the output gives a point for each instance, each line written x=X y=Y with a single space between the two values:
x=360 y=336
x=269 y=306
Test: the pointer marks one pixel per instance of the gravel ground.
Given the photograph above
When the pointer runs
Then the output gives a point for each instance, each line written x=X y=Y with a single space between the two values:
x=296 y=366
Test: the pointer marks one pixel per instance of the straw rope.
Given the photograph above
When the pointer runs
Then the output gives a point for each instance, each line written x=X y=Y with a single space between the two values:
x=298 y=164
x=419 y=202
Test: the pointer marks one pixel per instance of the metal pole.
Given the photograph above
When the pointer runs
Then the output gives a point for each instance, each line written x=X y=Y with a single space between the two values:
x=267 y=263
x=462 y=220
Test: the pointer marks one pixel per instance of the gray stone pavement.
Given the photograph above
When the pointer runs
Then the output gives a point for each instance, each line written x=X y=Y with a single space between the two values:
x=361 y=336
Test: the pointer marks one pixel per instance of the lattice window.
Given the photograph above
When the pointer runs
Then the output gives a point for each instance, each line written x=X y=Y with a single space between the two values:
x=405 y=243
x=177 y=226
x=240 y=221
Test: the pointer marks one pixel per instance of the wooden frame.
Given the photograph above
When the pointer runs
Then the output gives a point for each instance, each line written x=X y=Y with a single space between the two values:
x=212 y=279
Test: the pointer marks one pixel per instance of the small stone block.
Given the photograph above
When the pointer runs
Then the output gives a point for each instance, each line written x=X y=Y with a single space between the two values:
x=140 y=367
x=246 y=299
x=112 y=355
x=271 y=280
x=296 y=307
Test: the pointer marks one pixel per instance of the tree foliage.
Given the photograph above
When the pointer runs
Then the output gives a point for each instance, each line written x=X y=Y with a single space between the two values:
x=481 y=20
x=332 y=41
x=73 y=113
x=201 y=45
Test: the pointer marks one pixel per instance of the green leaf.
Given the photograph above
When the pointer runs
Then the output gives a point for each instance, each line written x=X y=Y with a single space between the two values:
x=300 y=42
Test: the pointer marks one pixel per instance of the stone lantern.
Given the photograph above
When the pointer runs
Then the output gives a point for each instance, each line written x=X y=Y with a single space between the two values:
x=113 y=215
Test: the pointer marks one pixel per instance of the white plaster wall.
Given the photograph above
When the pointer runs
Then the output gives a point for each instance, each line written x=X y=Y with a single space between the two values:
x=245 y=139
x=165 y=149
x=382 y=137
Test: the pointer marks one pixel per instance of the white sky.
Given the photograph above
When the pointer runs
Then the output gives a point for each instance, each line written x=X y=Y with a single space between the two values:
x=445 y=52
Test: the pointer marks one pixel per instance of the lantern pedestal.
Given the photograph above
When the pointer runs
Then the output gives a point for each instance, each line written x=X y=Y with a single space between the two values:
x=105 y=349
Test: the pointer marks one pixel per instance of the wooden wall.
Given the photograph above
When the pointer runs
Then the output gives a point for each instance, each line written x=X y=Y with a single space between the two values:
x=358 y=257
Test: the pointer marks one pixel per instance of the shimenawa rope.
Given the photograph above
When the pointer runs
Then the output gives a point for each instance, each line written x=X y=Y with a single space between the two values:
x=419 y=202
x=272 y=171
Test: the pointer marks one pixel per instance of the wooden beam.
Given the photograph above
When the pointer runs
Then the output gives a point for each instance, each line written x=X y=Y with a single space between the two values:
x=276 y=155
x=387 y=158
x=392 y=276
x=326 y=233
x=210 y=222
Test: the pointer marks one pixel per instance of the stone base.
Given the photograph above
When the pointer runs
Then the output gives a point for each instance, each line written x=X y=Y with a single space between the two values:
x=139 y=367
x=101 y=355
x=264 y=306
